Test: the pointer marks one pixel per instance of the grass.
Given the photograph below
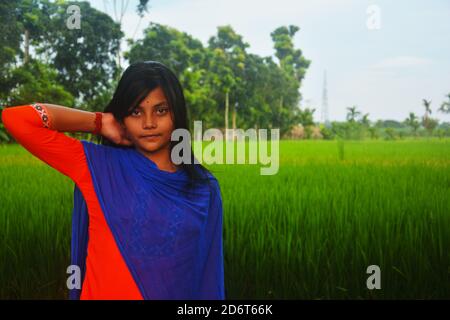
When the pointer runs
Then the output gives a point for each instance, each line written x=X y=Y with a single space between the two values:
x=308 y=232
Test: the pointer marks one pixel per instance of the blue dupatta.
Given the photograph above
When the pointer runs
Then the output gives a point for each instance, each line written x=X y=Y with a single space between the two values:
x=170 y=237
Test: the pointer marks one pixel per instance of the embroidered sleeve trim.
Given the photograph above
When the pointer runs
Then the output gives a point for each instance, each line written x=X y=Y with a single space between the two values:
x=43 y=114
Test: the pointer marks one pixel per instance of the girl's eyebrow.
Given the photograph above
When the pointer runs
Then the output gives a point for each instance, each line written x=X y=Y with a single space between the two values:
x=155 y=105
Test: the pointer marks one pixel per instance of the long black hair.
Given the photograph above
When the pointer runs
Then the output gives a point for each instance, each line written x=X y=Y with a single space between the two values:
x=137 y=81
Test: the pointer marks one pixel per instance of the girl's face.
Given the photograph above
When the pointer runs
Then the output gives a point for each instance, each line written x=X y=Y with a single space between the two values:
x=152 y=117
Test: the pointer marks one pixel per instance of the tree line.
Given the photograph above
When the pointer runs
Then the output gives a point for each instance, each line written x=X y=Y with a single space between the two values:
x=225 y=85
x=359 y=126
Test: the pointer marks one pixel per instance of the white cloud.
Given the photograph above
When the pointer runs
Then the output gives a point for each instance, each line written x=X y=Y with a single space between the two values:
x=249 y=18
x=402 y=62
x=334 y=36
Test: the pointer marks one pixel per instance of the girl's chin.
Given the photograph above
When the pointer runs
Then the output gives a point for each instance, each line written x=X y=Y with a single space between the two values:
x=150 y=146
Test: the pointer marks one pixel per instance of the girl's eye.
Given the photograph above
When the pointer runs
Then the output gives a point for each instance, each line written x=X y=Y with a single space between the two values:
x=162 y=110
x=159 y=111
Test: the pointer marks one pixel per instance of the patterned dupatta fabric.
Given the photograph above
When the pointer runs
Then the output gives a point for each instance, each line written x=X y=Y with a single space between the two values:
x=169 y=236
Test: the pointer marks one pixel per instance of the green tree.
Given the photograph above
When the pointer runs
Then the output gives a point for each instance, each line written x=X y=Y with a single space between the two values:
x=427 y=122
x=445 y=106
x=430 y=124
x=18 y=19
x=228 y=63
x=142 y=7
x=28 y=22
x=390 y=134
x=373 y=132
x=34 y=23
x=85 y=57
x=293 y=67
x=177 y=50
x=10 y=35
x=365 y=120
x=291 y=59
x=37 y=82
x=306 y=117
x=412 y=122
x=426 y=104
x=255 y=105
x=352 y=114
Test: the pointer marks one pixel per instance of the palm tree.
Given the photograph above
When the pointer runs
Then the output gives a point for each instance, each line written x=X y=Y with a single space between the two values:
x=412 y=121
x=425 y=118
x=365 y=120
x=445 y=107
x=352 y=114
x=427 y=104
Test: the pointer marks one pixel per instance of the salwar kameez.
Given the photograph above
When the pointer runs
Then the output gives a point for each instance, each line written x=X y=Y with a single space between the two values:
x=144 y=237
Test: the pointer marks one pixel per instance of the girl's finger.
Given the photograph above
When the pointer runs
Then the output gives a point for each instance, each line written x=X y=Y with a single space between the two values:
x=127 y=142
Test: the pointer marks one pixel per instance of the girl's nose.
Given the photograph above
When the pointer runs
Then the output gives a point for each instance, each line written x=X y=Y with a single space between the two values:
x=149 y=122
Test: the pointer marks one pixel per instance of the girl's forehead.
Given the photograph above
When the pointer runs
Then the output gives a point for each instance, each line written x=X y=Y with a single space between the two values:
x=155 y=97
x=153 y=104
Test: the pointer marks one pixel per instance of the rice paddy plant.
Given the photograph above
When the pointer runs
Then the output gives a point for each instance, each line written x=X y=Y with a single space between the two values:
x=308 y=232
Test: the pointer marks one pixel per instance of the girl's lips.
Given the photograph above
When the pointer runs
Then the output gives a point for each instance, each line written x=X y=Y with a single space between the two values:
x=150 y=136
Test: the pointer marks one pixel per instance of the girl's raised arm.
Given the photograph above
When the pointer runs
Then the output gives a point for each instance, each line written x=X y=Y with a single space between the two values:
x=36 y=127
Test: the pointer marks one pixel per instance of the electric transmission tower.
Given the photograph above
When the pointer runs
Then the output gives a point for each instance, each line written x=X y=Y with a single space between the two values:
x=324 y=115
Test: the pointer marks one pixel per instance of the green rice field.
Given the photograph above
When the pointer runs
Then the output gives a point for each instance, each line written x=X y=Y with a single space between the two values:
x=308 y=232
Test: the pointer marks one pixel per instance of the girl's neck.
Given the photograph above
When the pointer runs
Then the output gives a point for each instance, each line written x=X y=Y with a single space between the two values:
x=161 y=158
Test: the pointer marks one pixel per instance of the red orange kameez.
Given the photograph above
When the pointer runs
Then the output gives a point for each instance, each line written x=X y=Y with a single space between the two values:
x=107 y=275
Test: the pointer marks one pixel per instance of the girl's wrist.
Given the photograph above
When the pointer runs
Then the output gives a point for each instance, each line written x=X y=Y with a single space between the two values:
x=98 y=123
x=107 y=118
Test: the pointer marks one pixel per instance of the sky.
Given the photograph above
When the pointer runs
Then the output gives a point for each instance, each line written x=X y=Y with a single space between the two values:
x=381 y=56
